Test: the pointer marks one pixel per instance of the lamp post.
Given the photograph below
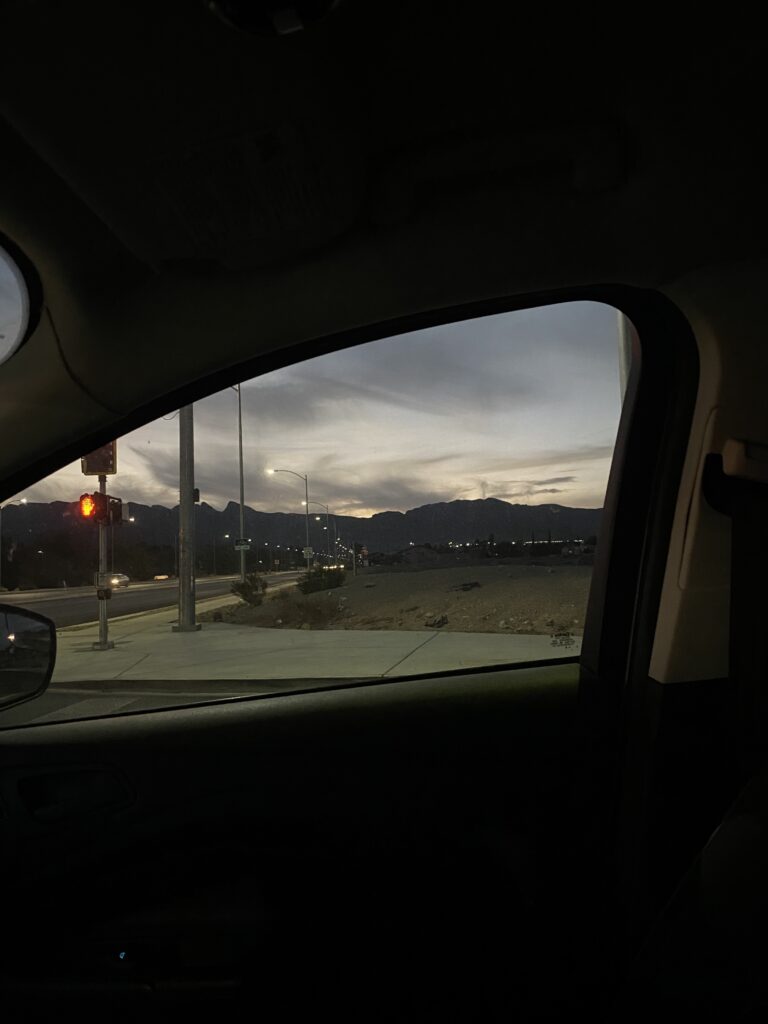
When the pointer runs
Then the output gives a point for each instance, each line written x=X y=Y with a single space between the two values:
x=305 y=478
x=236 y=388
x=187 y=557
x=21 y=501
x=327 y=530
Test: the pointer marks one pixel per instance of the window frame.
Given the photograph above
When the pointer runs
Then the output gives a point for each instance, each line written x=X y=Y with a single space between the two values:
x=643 y=480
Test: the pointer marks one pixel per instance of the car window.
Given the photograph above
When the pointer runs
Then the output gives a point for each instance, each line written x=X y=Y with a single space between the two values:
x=417 y=504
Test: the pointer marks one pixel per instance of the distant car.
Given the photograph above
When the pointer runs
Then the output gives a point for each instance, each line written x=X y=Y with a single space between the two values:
x=119 y=580
x=161 y=577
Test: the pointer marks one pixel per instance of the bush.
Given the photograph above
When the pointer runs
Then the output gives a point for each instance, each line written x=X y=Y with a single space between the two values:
x=251 y=590
x=321 y=579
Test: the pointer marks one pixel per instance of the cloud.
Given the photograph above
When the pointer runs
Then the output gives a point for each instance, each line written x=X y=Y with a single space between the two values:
x=518 y=406
x=565 y=456
x=552 y=480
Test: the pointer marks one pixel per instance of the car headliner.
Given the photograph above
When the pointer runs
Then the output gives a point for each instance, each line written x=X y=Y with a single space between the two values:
x=193 y=197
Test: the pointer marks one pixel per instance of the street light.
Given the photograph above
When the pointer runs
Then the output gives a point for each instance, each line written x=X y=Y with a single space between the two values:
x=327 y=531
x=20 y=501
x=305 y=478
x=236 y=387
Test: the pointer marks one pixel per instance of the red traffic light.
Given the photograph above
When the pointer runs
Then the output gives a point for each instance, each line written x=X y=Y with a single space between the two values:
x=87 y=506
x=95 y=507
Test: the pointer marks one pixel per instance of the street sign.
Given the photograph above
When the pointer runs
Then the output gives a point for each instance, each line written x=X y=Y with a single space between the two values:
x=308 y=552
x=242 y=545
x=102 y=462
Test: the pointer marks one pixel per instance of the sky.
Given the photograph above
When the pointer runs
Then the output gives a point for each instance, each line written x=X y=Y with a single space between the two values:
x=521 y=406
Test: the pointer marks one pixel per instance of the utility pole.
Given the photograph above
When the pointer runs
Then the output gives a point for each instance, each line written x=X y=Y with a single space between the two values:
x=242 y=483
x=186 y=622
x=103 y=643
x=306 y=520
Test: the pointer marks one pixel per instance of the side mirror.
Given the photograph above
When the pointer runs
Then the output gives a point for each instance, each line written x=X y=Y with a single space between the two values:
x=27 y=654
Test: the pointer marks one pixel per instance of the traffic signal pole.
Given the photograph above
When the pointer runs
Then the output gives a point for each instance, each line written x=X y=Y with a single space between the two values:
x=186 y=523
x=104 y=643
x=242 y=481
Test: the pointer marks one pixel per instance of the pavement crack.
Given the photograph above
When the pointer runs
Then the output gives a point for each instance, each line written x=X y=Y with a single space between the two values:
x=128 y=668
x=409 y=654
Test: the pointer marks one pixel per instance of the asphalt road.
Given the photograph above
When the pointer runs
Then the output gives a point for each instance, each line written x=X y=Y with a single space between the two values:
x=79 y=604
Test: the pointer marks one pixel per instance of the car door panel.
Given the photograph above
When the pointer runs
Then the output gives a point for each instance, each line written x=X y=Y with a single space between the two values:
x=423 y=816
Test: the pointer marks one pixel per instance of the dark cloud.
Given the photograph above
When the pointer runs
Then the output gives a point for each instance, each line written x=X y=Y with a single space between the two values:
x=375 y=482
x=436 y=371
x=312 y=397
x=553 y=480
x=396 y=488
x=516 y=406
x=555 y=457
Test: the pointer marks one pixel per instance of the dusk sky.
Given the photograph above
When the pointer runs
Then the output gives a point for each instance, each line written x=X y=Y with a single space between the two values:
x=521 y=406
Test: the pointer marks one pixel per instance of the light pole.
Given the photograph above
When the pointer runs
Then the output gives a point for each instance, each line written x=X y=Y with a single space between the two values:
x=305 y=478
x=327 y=530
x=21 y=501
x=241 y=538
x=187 y=559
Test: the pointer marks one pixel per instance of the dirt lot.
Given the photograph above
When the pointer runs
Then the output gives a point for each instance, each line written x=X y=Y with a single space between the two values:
x=484 y=599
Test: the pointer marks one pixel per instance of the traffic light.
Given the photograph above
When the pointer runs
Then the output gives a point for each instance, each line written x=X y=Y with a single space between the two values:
x=87 y=507
x=115 y=511
x=94 y=507
x=102 y=507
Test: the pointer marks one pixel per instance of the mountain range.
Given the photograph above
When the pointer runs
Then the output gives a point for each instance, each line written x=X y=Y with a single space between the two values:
x=440 y=523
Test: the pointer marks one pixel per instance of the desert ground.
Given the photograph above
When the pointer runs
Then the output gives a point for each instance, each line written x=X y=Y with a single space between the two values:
x=485 y=599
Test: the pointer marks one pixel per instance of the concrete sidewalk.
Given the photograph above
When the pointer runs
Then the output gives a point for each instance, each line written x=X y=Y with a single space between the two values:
x=147 y=649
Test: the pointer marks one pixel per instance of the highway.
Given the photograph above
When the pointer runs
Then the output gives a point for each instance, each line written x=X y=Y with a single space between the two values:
x=77 y=605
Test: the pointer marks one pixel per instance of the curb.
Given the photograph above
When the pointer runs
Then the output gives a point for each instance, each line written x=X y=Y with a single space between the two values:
x=222 y=598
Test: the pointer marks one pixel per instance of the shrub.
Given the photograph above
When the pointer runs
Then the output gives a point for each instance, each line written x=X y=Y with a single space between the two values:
x=251 y=590
x=321 y=579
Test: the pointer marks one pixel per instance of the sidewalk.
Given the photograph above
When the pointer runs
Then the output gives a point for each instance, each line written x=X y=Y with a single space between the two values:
x=147 y=649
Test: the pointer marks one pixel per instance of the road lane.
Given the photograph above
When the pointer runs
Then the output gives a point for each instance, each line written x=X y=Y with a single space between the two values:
x=77 y=606
x=74 y=609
